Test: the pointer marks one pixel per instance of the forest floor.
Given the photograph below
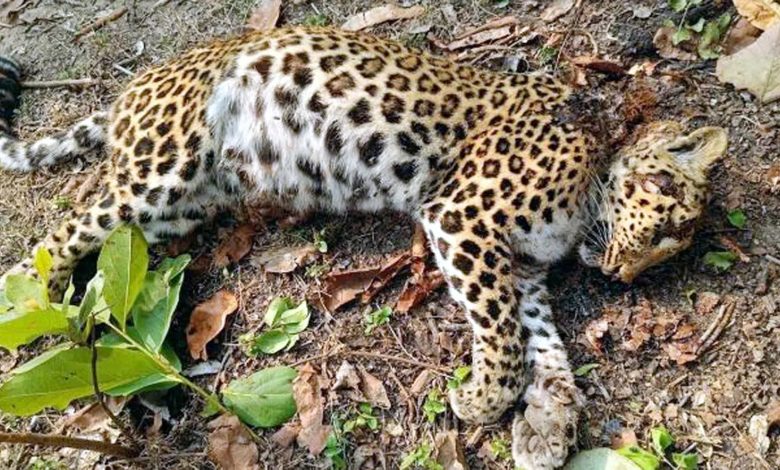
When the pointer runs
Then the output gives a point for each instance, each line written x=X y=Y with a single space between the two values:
x=707 y=403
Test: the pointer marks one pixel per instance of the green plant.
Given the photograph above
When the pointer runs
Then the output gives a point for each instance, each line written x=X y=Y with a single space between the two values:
x=317 y=270
x=707 y=34
x=547 y=55
x=584 y=370
x=737 y=218
x=319 y=241
x=720 y=260
x=434 y=405
x=316 y=19
x=62 y=203
x=459 y=375
x=420 y=457
x=336 y=445
x=285 y=323
x=501 y=449
x=363 y=417
x=132 y=307
x=662 y=444
x=376 y=319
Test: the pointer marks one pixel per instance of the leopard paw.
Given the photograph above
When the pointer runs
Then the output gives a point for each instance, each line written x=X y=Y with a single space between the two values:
x=479 y=401
x=544 y=431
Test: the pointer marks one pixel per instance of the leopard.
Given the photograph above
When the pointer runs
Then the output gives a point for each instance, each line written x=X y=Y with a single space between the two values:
x=317 y=119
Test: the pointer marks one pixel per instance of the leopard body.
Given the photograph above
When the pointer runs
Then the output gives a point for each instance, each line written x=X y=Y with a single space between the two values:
x=325 y=120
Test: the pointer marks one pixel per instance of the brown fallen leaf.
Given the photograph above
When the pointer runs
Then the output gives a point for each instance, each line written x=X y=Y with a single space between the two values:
x=230 y=446
x=344 y=287
x=495 y=30
x=773 y=413
x=10 y=10
x=417 y=290
x=641 y=328
x=626 y=437
x=773 y=178
x=421 y=382
x=374 y=390
x=264 y=16
x=380 y=15
x=682 y=351
x=93 y=417
x=285 y=436
x=756 y=67
x=732 y=246
x=346 y=377
x=599 y=65
x=760 y=13
x=706 y=303
x=234 y=246
x=449 y=453
x=667 y=49
x=286 y=259
x=207 y=320
x=556 y=9
x=308 y=398
x=594 y=335
x=741 y=35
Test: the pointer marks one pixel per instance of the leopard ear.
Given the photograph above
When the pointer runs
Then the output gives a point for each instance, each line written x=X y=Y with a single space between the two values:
x=700 y=149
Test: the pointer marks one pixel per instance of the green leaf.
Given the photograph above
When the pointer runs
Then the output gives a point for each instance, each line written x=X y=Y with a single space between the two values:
x=43 y=263
x=601 y=459
x=5 y=304
x=642 y=458
x=211 y=407
x=66 y=375
x=720 y=260
x=158 y=381
x=686 y=461
x=17 y=328
x=271 y=342
x=80 y=325
x=263 y=399
x=278 y=306
x=377 y=318
x=153 y=312
x=698 y=26
x=434 y=405
x=585 y=369
x=501 y=449
x=662 y=440
x=296 y=316
x=737 y=218
x=124 y=262
x=681 y=35
x=678 y=5
x=25 y=293
x=459 y=375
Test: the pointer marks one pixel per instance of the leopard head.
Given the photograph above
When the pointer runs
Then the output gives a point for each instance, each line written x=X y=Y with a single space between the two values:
x=646 y=210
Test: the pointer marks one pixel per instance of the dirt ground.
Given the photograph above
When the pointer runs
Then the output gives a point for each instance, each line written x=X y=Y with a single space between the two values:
x=707 y=403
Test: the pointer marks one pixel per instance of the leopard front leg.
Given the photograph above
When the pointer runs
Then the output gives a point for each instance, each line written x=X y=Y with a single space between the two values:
x=545 y=425
x=477 y=266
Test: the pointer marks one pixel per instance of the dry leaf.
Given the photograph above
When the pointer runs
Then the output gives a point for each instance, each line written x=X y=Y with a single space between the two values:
x=367 y=457
x=666 y=48
x=230 y=445
x=342 y=288
x=264 y=16
x=599 y=65
x=773 y=413
x=10 y=10
x=740 y=36
x=756 y=67
x=760 y=13
x=285 y=436
x=379 y=15
x=557 y=9
x=706 y=303
x=93 y=417
x=625 y=437
x=373 y=390
x=773 y=178
x=308 y=398
x=421 y=382
x=287 y=259
x=234 y=246
x=731 y=245
x=417 y=290
x=682 y=352
x=449 y=454
x=758 y=428
x=490 y=32
x=207 y=320
x=346 y=377
x=594 y=334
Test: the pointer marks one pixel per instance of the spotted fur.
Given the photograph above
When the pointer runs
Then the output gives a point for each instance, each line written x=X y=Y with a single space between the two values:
x=319 y=119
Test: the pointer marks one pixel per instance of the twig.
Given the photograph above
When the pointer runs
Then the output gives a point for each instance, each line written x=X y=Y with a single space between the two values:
x=717 y=326
x=100 y=22
x=60 y=83
x=51 y=440
x=772 y=259
x=96 y=386
x=386 y=357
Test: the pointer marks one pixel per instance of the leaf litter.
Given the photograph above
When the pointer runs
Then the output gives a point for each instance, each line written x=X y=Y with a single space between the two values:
x=230 y=446
x=756 y=67
x=264 y=16
x=208 y=320
x=313 y=434
x=381 y=14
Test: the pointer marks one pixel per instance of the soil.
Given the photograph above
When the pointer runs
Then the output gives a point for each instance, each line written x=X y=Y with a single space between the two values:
x=706 y=403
